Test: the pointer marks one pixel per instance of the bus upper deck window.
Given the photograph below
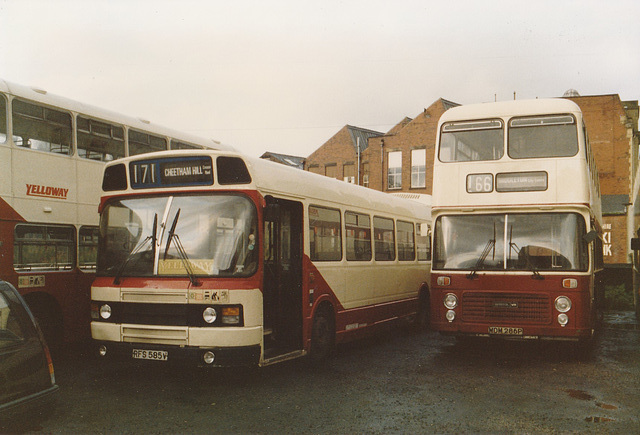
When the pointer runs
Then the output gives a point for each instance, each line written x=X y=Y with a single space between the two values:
x=471 y=141
x=99 y=140
x=41 y=128
x=543 y=136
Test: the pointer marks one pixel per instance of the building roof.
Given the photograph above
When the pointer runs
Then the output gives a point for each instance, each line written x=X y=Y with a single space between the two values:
x=293 y=161
x=361 y=135
x=614 y=204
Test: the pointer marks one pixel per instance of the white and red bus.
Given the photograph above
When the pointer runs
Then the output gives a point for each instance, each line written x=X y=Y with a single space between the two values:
x=227 y=260
x=52 y=154
x=517 y=222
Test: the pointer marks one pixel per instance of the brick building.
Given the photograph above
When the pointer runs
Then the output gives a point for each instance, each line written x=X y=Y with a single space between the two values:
x=401 y=160
x=612 y=126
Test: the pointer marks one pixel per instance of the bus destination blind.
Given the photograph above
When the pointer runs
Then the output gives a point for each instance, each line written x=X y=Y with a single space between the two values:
x=171 y=172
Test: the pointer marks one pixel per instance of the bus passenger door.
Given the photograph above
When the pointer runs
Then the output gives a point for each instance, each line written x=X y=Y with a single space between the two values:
x=282 y=277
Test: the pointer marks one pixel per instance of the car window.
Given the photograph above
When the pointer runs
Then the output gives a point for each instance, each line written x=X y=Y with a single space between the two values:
x=12 y=321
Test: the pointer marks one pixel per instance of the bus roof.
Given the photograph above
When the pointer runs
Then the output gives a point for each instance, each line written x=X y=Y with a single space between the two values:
x=510 y=108
x=42 y=96
x=282 y=181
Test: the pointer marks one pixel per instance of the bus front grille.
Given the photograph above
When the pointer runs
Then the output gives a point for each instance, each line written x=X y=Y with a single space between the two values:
x=141 y=334
x=505 y=307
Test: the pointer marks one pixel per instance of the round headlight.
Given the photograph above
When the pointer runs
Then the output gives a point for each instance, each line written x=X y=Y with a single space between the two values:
x=102 y=350
x=450 y=301
x=563 y=304
x=209 y=315
x=563 y=319
x=451 y=315
x=105 y=311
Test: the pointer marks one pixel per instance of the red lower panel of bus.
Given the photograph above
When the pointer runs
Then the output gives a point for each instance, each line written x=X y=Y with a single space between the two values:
x=512 y=306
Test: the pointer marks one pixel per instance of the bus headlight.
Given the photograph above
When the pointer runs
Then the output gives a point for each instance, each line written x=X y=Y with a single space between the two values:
x=451 y=315
x=209 y=315
x=563 y=319
x=563 y=304
x=450 y=301
x=105 y=311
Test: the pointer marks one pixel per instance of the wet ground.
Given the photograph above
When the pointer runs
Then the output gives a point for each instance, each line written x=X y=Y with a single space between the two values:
x=394 y=382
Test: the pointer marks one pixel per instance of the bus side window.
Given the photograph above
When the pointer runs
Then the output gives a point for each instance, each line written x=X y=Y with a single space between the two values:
x=41 y=128
x=99 y=141
x=324 y=234
x=384 y=239
x=88 y=247
x=44 y=247
x=358 y=236
x=406 y=241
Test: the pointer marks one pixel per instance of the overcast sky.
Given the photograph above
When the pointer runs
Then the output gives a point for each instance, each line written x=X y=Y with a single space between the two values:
x=284 y=76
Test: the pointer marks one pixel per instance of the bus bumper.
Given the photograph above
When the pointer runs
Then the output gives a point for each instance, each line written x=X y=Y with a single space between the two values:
x=218 y=356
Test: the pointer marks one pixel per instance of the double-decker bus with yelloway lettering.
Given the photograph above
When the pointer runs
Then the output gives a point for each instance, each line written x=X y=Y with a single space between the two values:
x=52 y=154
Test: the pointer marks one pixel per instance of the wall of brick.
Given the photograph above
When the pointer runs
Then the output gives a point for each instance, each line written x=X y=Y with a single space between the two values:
x=606 y=120
x=337 y=151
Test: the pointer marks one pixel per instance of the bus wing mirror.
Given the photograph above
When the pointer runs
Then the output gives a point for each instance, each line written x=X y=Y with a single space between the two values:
x=591 y=236
x=635 y=244
x=425 y=230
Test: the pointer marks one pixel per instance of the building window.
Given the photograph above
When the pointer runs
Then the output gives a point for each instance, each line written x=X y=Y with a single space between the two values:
x=349 y=173
x=394 y=174
x=418 y=168
x=315 y=169
x=331 y=171
x=365 y=174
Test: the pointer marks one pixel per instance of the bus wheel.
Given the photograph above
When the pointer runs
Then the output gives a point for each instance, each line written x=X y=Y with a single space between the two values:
x=421 y=321
x=323 y=334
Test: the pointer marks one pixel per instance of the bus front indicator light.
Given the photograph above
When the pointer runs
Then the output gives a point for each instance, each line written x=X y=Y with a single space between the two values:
x=563 y=319
x=450 y=301
x=209 y=315
x=563 y=304
x=230 y=315
x=102 y=350
x=105 y=311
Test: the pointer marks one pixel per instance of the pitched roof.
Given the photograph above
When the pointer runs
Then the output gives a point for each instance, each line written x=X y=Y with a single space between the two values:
x=363 y=135
x=293 y=161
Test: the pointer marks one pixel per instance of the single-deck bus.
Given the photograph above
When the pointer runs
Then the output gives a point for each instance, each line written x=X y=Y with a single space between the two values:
x=52 y=153
x=227 y=260
x=517 y=222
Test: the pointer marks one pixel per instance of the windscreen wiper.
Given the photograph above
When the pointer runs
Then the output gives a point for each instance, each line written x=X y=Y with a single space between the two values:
x=181 y=252
x=152 y=238
x=491 y=245
x=527 y=258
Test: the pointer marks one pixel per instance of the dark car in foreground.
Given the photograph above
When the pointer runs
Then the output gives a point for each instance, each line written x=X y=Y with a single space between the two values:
x=27 y=380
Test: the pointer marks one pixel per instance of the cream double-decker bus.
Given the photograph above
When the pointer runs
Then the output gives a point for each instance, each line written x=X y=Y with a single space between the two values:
x=52 y=154
x=227 y=260
x=517 y=222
